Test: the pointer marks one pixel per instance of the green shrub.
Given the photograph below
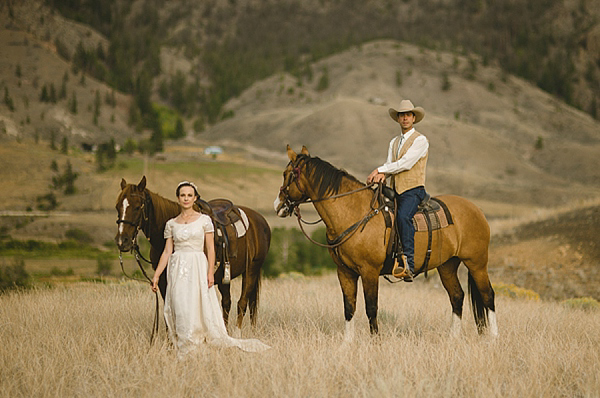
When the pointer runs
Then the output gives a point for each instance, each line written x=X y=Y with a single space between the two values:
x=323 y=83
x=38 y=249
x=14 y=276
x=446 y=85
x=398 y=78
x=291 y=251
x=79 y=235
x=55 y=271
x=584 y=303
x=513 y=291
x=104 y=264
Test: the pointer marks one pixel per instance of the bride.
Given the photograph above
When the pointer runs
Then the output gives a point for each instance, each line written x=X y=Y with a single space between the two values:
x=192 y=311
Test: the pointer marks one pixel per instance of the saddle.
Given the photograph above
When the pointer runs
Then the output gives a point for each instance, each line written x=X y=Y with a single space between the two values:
x=224 y=215
x=432 y=214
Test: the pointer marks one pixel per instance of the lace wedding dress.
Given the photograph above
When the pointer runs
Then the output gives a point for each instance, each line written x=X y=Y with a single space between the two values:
x=192 y=310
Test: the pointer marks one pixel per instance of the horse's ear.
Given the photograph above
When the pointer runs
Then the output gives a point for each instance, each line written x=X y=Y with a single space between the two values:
x=291 y=154
x=304 y=151
x=123 y=184
x=142 y=185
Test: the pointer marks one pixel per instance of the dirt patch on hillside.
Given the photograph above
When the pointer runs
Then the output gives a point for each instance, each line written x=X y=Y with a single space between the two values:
x=557 y=257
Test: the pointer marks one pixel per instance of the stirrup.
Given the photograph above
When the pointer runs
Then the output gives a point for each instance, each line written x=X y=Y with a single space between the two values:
x=400 y=271
x=227 y=273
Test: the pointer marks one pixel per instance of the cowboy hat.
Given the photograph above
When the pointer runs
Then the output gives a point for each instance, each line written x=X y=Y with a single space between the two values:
x=407 y=106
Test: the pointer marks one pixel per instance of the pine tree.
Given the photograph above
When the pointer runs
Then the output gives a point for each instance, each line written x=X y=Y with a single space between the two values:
x=179 y=131
x=73 y=104
x=62 y=94
x=156 y=140
x=129 y=146
x=52 y=140
x=52 y=97
x=44 y=97
x=8 y=101
x=64 y=147
x=97 y=103
x=323 y=83
x=69 y=178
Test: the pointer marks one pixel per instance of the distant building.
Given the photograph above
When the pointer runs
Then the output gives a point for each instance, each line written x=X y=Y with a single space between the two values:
x=213 y=150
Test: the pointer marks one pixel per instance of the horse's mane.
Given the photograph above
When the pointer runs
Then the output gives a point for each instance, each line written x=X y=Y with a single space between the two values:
x=328 y=178
x=164 y=209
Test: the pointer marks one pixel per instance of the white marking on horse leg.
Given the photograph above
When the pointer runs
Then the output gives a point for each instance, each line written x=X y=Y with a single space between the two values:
x=456 y=328
x=125 y=205
x=493 y=323
x=349 y=331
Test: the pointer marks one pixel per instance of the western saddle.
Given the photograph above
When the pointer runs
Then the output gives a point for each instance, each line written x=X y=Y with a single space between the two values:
x=224 y=215
x=395 y=253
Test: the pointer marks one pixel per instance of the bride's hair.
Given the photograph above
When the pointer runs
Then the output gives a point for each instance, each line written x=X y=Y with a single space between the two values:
x=187 y=184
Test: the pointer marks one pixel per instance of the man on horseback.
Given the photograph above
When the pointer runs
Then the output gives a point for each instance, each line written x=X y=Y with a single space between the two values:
x=406 y=163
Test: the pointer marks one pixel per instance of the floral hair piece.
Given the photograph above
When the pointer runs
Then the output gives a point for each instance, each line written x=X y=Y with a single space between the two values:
x=187 y=183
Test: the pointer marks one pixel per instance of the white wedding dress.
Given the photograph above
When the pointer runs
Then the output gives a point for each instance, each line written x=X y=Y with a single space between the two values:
x=192 y=310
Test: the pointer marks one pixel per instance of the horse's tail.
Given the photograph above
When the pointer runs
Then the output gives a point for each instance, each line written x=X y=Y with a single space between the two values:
x=477 y=306
x=262 y=231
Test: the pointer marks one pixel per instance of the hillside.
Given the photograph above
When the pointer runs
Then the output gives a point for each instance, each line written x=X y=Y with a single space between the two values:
x=494 y=138
x=556 y=255
x=499 y=140
x=483 y=130
x=193 y=56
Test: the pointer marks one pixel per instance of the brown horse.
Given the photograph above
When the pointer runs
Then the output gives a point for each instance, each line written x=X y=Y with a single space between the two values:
x=140 y=209
x=342 y=201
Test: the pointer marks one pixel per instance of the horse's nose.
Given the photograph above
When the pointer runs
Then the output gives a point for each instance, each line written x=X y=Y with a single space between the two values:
x=123 y=242
x=277 y=204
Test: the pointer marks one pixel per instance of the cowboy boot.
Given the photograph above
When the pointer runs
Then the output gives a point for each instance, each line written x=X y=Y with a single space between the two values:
x=403 y=272
x=410 y=273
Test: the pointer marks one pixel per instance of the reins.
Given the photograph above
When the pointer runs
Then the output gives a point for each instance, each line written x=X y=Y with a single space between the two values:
x=341 y=194
x=350 y=231
x=327 y=198
x=136 y=250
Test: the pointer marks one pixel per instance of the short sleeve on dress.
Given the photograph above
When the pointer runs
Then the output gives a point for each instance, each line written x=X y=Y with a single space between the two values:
x=207 y=224
x=169 y=229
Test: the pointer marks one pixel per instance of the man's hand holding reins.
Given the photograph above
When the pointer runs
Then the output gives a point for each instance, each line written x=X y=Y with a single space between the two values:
x=376 y=177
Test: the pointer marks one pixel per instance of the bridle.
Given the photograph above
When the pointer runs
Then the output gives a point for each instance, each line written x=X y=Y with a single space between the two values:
x=293 y=204
x=143 y=218
x=294 y=207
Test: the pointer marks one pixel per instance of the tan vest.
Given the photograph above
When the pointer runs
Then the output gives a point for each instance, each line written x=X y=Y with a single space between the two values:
x=414 y=177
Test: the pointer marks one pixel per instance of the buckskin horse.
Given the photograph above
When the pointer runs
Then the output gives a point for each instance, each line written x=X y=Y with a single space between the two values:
x=140 y=209
x=345 y=206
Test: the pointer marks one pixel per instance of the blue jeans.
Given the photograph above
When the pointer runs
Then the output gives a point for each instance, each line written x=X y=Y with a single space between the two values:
x=408 y=203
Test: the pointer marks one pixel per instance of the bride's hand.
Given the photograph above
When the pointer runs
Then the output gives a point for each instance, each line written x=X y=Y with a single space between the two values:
x=211 y=280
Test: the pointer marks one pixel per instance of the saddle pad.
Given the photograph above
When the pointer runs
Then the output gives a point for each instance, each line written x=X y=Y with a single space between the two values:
x=241 y=226
x=439 y=218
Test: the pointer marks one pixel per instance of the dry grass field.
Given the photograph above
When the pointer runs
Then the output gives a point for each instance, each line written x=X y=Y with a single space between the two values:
x=527 y=159
x=93 y=340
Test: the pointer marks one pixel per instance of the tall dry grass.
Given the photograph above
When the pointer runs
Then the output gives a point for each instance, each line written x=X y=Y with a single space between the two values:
x=93 y=340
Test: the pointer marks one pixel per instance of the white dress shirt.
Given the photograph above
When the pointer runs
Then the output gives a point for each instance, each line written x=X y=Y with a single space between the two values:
x=417 y=150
